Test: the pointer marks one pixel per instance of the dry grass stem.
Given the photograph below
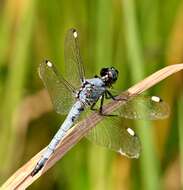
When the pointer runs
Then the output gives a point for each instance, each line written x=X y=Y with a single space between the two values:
x=21 y=179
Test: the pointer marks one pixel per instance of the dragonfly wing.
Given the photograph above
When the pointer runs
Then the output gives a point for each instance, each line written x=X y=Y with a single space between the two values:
x=73 y=63
x=113 y=134
x=58 y=88
x=144 y=107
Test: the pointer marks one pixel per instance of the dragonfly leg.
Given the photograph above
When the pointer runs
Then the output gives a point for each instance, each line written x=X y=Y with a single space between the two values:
x=101 y=104
x=93 y=106
x=108 y=95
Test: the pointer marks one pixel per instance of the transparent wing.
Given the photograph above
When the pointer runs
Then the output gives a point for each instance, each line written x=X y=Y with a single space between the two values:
x=58 y=88
x=73 y=63
x=143 y=107
x=113 y=134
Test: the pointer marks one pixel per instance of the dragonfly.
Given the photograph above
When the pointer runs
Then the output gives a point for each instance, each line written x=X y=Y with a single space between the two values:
x=76 y=94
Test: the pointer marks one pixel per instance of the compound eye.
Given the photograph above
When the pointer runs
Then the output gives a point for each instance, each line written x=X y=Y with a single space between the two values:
x=103 y=72
x=115 y=70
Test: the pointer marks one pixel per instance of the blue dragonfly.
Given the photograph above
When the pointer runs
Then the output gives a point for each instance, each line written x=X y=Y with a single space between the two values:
x=76 y=94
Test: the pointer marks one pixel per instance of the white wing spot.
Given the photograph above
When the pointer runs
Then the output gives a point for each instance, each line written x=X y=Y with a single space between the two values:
x=130 y=131
x=49 y=64
x=155 y=99
x=75 y=34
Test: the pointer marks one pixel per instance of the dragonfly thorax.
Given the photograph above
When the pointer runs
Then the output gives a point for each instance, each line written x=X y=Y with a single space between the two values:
x=91 y=91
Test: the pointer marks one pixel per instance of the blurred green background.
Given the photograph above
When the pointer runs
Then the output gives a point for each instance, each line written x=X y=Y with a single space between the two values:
x=137 y=37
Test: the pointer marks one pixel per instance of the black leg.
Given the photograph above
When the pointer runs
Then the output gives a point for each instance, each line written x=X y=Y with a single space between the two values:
x=110 y=95
x=93 y=106
x=101 y=107
x=101 y=104
x=106 y=96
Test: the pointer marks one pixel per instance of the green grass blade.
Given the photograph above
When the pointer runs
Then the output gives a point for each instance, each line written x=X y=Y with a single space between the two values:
x=180 y=125
x=6 y=22
x=103 y=58
x=149 y=165
x=15 y=86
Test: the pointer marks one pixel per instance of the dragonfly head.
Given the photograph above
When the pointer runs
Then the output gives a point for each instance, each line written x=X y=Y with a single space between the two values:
x=109 y=75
